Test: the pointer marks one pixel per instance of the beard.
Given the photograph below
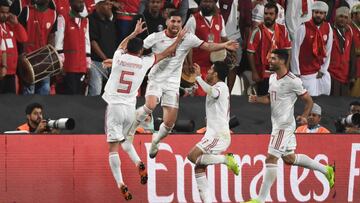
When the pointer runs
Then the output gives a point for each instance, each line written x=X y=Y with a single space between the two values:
x=207 y=11
x=269 y=22
x=317 y=21
x=78 y=9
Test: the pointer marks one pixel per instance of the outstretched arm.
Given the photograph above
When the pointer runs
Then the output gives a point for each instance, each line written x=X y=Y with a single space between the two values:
x=230 y=45
x=138 y=29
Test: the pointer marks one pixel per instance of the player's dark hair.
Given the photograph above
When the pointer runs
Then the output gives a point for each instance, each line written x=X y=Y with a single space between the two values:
x=222 y=70
x=4 y=3
x=31 y=107
x=283 y=54
x=134 y=45
x=174 y=13
x=270 y=6
x=354 y=103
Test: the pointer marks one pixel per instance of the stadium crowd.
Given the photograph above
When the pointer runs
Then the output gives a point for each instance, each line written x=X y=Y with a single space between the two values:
x=323 y=39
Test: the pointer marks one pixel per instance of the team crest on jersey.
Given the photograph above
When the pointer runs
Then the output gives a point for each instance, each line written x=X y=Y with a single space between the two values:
x=217 y=27
x=325 y=37
x=48 y=25
x=160 y=28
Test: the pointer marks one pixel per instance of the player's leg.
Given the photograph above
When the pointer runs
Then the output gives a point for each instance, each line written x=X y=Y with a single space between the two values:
x=113 y=129
x=128 y=147
x=202 y=183
x=306 y=162
x=277 y=143
x=152 y=98
x=208 y=152
x=170 y=104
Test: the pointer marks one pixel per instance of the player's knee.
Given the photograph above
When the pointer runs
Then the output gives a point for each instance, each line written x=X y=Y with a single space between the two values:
x=289 y=160
x=271 y=159
x=151 y=103
x=191 y=158
x=200 y=169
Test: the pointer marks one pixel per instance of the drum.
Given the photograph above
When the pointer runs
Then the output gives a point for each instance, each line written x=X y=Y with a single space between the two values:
x=39 y=64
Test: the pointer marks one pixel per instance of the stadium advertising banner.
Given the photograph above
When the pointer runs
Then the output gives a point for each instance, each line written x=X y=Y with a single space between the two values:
x=74 y=168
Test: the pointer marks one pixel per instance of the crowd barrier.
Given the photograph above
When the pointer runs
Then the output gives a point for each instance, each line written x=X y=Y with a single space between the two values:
x=74 y=168
x=89 y=112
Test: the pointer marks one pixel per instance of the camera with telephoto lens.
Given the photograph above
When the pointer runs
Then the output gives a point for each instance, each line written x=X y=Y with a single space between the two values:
x=348 y=121
x=61 y=123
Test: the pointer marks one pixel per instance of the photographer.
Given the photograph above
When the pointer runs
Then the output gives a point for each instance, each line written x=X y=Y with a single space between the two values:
x=35 y=122
x=350 y=123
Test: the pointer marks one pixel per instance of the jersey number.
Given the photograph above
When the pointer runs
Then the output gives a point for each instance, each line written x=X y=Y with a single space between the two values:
x=125 y=82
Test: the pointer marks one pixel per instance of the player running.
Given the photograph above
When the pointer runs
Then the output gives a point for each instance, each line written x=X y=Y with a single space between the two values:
x=284 y=89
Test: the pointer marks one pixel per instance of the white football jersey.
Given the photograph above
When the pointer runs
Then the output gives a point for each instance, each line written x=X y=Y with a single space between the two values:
x=127 y=74
x=168 y=71
x=218 y=109
x=283 y=95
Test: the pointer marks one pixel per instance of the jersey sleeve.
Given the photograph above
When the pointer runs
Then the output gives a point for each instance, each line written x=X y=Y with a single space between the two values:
x=297 y=87
x=149 y=41
x=118 y=53
x=194 y=41
x=149 y=61
x=254 y=40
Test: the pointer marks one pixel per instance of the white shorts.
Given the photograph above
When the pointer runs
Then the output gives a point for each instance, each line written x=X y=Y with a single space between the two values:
x=214 y=144
x=169 y=97
x=118 y=121
x=282 y=143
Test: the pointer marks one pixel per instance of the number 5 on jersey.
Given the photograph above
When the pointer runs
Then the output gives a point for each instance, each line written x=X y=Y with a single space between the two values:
x=125 y=83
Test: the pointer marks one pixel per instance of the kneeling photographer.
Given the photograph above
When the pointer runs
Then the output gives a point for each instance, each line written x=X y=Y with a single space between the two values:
x=35 y=122
x=351 y=122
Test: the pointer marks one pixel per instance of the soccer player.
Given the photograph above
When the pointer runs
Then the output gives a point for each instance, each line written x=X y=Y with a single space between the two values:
x=217 y=137
x=284 y=90
x=164 y=78
x=128 y=71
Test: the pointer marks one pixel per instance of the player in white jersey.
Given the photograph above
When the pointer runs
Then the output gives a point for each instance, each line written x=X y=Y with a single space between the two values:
x=217 y=137
x=164 y=78
x=128 y=71
x=284 y=89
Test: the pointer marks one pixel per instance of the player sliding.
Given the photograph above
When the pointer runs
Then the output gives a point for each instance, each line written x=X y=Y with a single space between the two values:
x=217 y=137
x=128 y=71
x=284 y=88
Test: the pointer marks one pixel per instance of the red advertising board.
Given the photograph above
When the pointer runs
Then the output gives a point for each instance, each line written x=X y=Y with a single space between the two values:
x=74 y=168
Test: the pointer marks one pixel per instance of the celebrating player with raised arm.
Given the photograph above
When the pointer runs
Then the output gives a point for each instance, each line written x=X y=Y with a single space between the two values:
x=217 y=137
x=164 y=78
x=128 y=71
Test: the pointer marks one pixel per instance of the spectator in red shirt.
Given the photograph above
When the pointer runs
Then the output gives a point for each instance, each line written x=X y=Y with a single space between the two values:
x=339 y=67
x=40 y=23
x=12 y=32
x=73 y=43
x=266 y=37
x=355 y=25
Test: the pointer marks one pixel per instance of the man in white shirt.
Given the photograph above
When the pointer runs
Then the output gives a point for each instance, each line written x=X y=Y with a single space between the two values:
x=217 y=137
x=164 y=78
x=297 y=12
x=284 y=90
x=130 y=67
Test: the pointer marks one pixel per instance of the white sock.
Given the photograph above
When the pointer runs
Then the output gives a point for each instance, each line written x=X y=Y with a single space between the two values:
x=268 y=180
x=142 y=112
x=128 y=147
x=114 y=161
x=203 y=187
x=163 y=132
x=209 y=159
x=306 y=162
